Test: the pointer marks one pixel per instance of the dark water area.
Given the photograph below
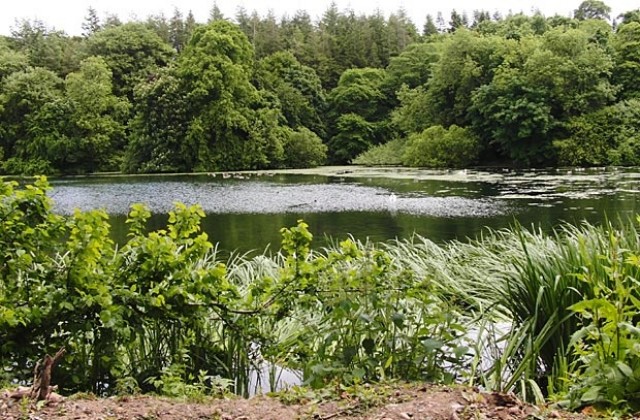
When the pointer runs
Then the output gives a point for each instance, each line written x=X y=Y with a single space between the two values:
x=245 y=211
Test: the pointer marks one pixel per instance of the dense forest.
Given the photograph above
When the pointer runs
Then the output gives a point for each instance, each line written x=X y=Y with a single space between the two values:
x=171 y=94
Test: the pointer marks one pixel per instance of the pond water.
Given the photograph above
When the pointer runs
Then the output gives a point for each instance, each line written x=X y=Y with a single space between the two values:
x=246 y=210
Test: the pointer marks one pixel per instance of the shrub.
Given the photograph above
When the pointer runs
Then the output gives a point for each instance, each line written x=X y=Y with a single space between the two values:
x=304 y=149
x=389 y=153
x=607 y=136
x=438 y=147
x=17 y=166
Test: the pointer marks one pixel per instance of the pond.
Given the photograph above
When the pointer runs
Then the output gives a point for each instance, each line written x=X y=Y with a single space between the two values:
x=246 y=210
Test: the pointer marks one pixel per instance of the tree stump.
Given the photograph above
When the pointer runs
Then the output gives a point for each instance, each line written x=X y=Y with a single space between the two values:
x=41 y=388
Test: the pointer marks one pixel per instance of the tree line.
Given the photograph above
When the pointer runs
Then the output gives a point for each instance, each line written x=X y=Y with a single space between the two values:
x=255 y=92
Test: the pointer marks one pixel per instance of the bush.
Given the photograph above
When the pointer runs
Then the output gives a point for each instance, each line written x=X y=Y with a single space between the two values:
x=627 y=152
x=438 y=147
x=304 y=149
x=607 y=136
x=17 y=166
x=389 y=153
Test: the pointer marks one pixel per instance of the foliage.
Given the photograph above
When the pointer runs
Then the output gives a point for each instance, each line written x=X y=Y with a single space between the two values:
x=75 y=126
x=298 y=89
x=607 y=371
x=162 y=313
x=626 y=43
x=520 y=82
x=214 y=71
x=304 y=149
x=24 y=97
x=592 y=9
x=45 y=47
x=413 y=66
x=437 y=147
x=159 y=127
x=97 y=121
x=132 y=51
x=520 y=111
x=389 y=153
x=609 y=136
x=368 y=319
x=467 y=62
x=359 y=114
x=10 y=61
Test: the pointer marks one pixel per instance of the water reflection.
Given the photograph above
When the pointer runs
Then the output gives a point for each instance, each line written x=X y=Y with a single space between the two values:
x=246 y=214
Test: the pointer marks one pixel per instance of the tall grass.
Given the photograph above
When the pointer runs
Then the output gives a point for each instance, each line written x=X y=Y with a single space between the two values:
x=530 y=280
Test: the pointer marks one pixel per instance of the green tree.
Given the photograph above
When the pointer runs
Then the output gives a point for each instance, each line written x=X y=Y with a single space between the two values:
x=359 y=111
x=24 y=95
x=630 y=16
x=402 y=32
x=267 y=36
x=96 y=119
x=626 y=46
x=11 y=61
x=215 y=70
x=467 y=62
x=298 y=89
x=45 y=47
x=133 y=53
x=542 y=84
x=180 y=29
x=304 y=149
x=159 y=127
x=91 y=23
x=592 y=9
x=457 y=21
x=608 y=136
x=430 y=27
x=413 y=67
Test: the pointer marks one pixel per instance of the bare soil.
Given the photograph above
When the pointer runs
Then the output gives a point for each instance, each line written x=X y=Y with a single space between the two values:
x=402 y=402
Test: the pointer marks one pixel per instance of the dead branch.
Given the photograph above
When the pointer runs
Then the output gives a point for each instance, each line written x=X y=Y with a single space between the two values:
x=41 y=388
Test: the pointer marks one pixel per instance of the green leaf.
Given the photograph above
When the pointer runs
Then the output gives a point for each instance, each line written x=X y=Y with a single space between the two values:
x=625 y=369
x=431 y=344
x=591 y=395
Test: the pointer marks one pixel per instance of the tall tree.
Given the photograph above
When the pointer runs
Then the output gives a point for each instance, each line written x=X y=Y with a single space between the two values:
x=159 y=127
x=430 y=27
x=457 y=21
x=626 y=46
x=46 y=47
x=227 y=128
x=558 y=77
x=298 y=89
x=592 y=9
x=23 y=97
x=132 y=51
x=215 y=13
x=11 y=61
x=91 y=23
x=359 y=114
x=93 y=133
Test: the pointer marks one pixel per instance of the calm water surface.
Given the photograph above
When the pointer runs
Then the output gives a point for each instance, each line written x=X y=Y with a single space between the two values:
x=246 y=210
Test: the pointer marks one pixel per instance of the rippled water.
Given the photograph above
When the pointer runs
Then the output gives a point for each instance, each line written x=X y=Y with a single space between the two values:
x=246 y=210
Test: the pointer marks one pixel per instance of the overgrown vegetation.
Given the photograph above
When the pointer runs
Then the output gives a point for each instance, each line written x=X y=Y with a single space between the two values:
x=255 y=92
x=547 y=316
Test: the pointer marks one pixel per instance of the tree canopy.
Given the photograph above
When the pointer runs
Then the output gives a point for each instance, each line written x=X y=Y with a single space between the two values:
x=171 y=94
